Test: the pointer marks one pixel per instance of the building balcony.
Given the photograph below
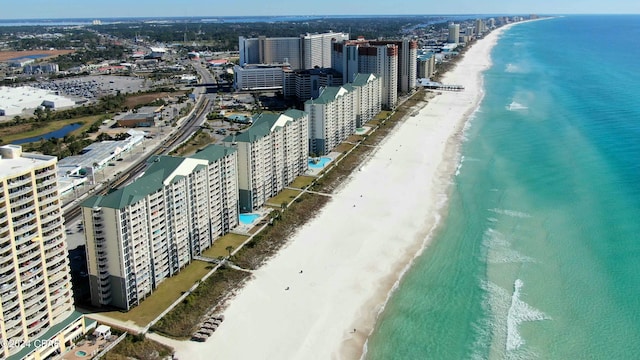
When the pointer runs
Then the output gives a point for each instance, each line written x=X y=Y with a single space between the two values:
x=51 y=244
x=11 y=324
x=8 y=291
x=51 y=224
x=7 y=266
x=25 y=213
x=13 y=333
x=62 y=308
x=27 y=256
x=29 y=284
x=28 y=274
x=21 y=200
x=56 y=295
x=32 y=300
x=35 y=311
x=35 y=328
x=15 y=182
x=54 y=251
x=57 y=276
x=43 y=191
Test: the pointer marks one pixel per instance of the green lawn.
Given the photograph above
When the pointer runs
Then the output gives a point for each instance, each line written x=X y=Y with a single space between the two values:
x=285 y=195
x=343 y=148
x=354 y=138
x=302 y=181
x=197 y=142
x=382 y=115
x=219 y=247
x=168 y=291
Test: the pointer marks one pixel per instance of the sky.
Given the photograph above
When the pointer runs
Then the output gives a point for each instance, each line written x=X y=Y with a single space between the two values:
x=37 y=9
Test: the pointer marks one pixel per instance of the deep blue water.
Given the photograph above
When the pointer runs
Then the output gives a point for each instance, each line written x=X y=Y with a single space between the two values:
x=539 y=254
x=60 y=133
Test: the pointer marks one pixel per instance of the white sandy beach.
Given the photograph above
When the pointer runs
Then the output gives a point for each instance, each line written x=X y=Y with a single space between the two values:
x=358 y=246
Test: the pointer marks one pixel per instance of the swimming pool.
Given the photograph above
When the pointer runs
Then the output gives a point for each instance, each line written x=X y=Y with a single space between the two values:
x=319 y=163
x=248 y=218
x=81 y=353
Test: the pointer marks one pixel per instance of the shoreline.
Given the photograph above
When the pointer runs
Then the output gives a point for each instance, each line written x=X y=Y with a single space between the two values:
x=373 y=229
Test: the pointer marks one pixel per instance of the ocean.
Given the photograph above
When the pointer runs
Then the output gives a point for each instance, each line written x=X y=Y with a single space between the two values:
x=538 y=256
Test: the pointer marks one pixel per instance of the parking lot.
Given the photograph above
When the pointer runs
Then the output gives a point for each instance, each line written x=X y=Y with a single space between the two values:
x=93 y=87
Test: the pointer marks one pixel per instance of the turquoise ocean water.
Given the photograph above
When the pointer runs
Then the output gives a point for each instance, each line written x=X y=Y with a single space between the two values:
x=539 y=253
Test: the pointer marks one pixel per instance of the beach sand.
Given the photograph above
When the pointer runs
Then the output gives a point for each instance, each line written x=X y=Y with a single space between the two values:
x=355 y=250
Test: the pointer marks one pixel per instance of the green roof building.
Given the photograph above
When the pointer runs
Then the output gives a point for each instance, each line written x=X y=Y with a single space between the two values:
x=150 y=229
x=271 y=154
x=339 y=110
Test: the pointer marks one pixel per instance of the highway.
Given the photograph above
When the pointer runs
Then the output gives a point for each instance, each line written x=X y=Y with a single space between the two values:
x=178 y=136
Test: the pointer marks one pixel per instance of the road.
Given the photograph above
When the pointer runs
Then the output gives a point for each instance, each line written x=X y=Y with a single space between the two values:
x=186 y=128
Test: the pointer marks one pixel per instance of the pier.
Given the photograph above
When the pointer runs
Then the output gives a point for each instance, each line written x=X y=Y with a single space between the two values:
x=433 y=85
x=444 y=87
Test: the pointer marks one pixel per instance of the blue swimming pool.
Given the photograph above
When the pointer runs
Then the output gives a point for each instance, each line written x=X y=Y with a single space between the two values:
x=319 y=163
x=248 y=218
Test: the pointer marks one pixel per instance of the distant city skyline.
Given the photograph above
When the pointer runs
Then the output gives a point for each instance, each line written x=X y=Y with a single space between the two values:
x=47 y=9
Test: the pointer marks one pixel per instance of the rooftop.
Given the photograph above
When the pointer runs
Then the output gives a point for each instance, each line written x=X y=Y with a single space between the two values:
x=14 y=100
x=329 y=94
x=14 y=162
x=264 y=124
x=162 y=171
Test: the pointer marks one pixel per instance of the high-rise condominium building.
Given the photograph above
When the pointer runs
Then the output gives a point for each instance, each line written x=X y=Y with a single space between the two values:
x=271 y=154
x=332 y=118
x=338 y=111
x=362 y=56
x=147 y=231
x=307 y=84
x=304 y=52
x=407 y=64
x=481 y=27
x=454 y=33
x=36 y=301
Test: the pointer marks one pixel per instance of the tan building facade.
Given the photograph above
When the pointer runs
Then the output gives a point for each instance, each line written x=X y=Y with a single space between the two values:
x=36 y=301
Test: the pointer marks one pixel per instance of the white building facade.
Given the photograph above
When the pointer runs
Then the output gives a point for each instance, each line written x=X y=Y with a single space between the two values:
x=361 y=56
x=259 y=77
x=332 y=118
x=304 y=52
x=271 y=154
x=454 y=34
x=139 y=235
x=368 y=90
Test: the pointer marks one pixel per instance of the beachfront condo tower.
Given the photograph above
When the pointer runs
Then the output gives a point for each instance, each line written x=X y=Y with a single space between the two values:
x=340 y=110
x=36 y=301
x=147 y=231
x=362 y=56
x=271 y=154
x=454 y=33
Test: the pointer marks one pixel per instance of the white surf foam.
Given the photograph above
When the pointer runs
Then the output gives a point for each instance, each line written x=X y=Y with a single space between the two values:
x=459 y=165
x=516 y=106
x=519 y=312
x=511 y=68
x=498 y=334
x=499 y=250
x=512 y=213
